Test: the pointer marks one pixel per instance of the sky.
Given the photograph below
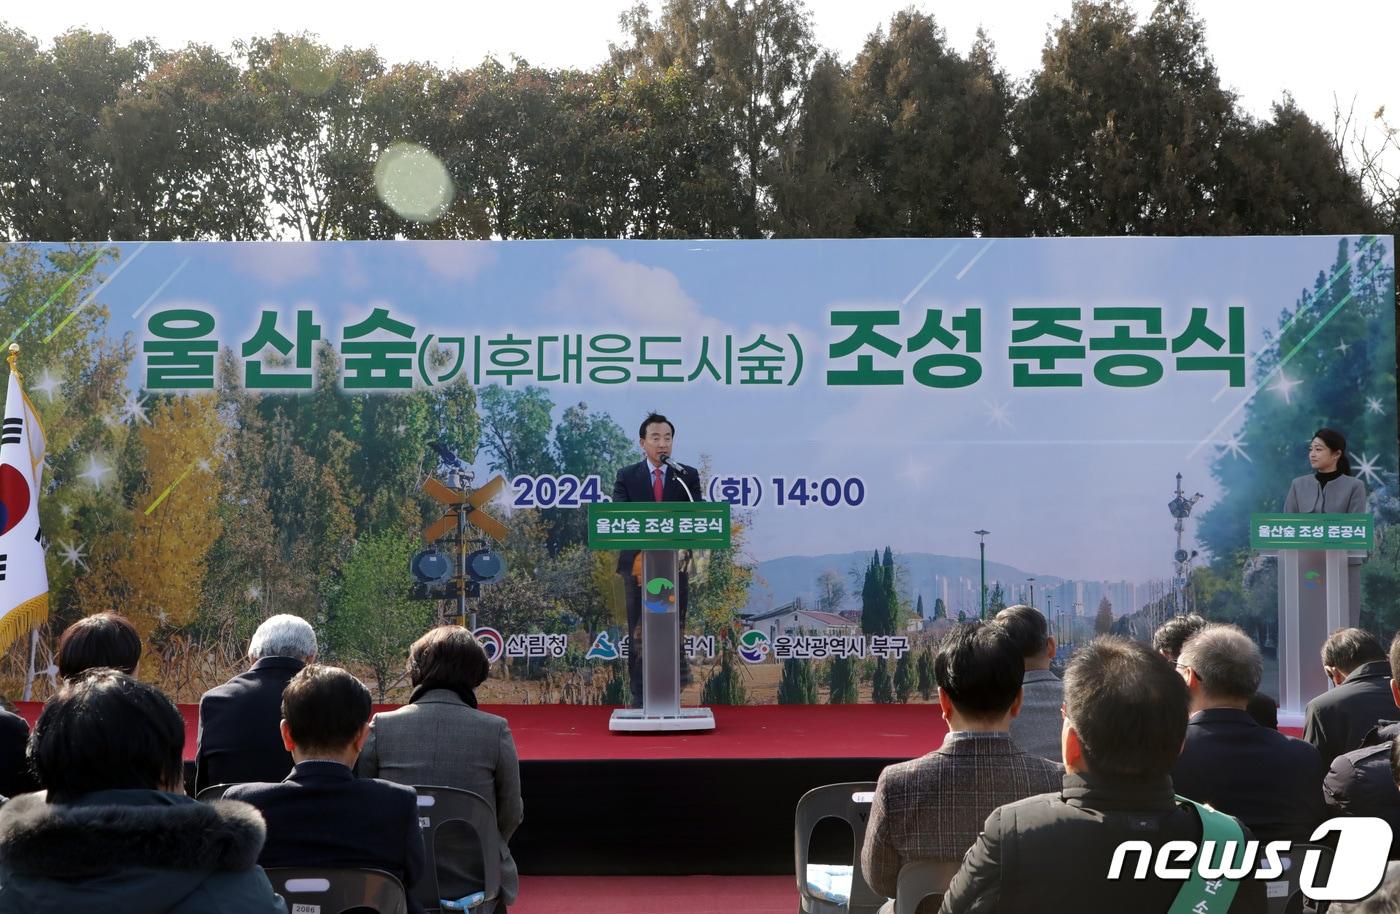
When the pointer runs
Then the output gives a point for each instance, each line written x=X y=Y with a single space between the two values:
x=1341 y=50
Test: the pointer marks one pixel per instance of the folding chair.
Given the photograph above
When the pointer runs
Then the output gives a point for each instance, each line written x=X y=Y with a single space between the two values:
x=213 y=792
x=850 y=803
x=921 y=879
x=1284 y=894
x=336 y=891
x=436 y=807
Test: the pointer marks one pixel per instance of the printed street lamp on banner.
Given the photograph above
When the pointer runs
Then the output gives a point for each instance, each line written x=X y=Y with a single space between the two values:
x=982 y=548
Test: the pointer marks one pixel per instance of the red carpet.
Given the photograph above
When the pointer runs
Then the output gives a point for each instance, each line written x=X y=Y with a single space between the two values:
x=651 y=894
x=573 y=733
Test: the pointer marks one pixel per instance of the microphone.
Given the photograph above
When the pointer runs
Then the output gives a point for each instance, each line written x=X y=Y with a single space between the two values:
x=680 y=469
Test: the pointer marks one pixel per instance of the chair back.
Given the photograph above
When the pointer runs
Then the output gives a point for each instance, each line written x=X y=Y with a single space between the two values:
x=316 y=890
x=1283 y=892
x=921 y=879
x=213 y=792
x=850 y=803
x=440 y=805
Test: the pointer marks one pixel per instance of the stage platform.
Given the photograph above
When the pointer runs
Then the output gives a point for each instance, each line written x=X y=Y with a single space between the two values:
x=650 y=894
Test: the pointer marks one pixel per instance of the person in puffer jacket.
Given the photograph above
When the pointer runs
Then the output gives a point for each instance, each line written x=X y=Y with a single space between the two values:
x=114 y=831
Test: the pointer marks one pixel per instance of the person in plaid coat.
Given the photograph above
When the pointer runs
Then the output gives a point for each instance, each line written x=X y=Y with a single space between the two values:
x=932 y=808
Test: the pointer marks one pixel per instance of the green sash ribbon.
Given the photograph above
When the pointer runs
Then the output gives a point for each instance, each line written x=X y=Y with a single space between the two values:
x=1198 y=895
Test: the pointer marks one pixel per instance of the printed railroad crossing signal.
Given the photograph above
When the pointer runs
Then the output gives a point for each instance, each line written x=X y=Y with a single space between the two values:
x=472 y=504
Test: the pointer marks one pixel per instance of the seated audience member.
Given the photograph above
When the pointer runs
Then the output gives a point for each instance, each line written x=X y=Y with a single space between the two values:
x=932 y=808
x=1360 y=782
x=1337 y=721
x=114 y=831
x=1386 y=898
x=1265 y=779
x=322 y=815
x=1264 y=710
x=15 y=776
x=1173 y=633
x=100 y=640
x=239 y=737
x=1125 y=719
x=440 y=738
x=1036 y=729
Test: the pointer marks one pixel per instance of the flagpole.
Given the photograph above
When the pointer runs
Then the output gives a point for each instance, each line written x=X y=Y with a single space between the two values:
x=29 y=676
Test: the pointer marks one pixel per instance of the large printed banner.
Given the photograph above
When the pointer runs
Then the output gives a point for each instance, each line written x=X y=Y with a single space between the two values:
x=238 y=429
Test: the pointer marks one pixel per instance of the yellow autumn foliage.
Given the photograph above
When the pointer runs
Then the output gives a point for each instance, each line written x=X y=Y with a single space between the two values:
x=155 y=577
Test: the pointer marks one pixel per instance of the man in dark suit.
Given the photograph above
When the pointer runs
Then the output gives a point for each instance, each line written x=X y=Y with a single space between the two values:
x=651 y=480
x=321 y=815
x=932 y=808
x=1337 y=721
x=238 y=738
x=1125 y=719
x=1361 y=782
x=1265 y=779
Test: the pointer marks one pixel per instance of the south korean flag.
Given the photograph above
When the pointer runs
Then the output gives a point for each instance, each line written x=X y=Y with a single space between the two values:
x=24 y=582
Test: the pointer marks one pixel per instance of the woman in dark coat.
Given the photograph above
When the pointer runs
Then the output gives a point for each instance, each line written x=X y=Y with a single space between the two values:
x=114 y=831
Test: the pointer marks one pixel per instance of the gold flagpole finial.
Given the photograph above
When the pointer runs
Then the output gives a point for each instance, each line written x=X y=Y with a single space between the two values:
x=14 y=356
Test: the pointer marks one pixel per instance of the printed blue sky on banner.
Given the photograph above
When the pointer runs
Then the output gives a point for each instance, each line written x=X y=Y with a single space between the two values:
x=1073 y=482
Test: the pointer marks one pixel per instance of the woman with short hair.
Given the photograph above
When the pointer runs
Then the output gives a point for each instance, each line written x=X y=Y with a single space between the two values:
x=115 y=832
x=441 y=739
x=99 y=640
x=1330 y=488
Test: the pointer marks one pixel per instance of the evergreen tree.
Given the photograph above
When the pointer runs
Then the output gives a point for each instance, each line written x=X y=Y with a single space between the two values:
x=996 y=602
x=725 y=687
x=882 y=689
x=1103 y=619
x=940 y=611
x=889 y=596
x=924 y=669
x=903 y=678
x=798 y=685
x=962 y=616
x=872 y=618
x=843 y=682
x=919 y=607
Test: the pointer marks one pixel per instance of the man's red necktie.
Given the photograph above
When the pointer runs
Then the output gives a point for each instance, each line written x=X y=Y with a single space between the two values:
x=656 y=485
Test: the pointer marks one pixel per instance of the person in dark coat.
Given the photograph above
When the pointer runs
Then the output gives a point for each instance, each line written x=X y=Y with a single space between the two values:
x=239 y=736
x=113 y=832
x=321 y=815
x=15 y=776
x=1125 y=719
x=1361 y=782
x=1269 y=781
x=652 y=480
x=1337 y=721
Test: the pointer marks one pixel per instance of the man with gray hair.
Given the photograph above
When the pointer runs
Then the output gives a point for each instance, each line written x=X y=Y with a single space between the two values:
x=1270 y=782
x=240 y=736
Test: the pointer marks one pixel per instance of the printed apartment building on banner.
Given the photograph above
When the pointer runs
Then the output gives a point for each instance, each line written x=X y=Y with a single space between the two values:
x=24 y=584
